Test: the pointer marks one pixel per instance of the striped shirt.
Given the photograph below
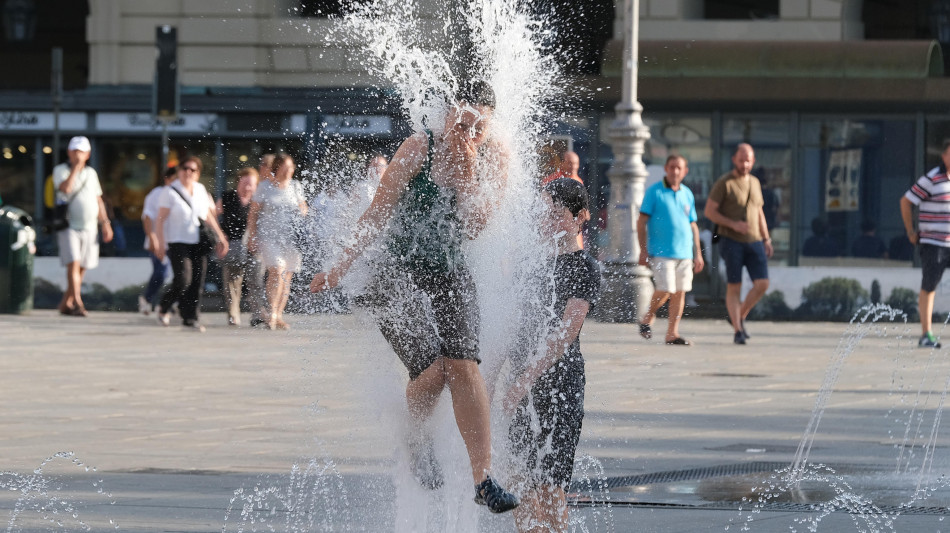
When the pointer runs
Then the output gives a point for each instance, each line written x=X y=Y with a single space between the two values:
x=931 y=195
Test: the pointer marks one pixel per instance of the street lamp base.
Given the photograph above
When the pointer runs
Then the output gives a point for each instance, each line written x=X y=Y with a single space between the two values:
x=625 y=293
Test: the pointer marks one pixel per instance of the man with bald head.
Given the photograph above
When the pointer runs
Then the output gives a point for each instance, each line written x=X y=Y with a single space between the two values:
x=735 y=205
x=570 y=164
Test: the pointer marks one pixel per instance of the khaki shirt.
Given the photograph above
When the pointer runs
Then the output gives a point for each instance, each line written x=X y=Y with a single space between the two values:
x=739 y=199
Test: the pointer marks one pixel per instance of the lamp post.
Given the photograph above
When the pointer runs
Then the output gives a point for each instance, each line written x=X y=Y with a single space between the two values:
x=627 y=285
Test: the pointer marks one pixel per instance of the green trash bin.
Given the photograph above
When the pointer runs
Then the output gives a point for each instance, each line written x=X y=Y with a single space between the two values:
x=17 y=247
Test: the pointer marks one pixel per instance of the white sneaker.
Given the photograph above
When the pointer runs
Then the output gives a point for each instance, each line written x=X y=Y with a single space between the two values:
x=144 y=306
x=164 y=319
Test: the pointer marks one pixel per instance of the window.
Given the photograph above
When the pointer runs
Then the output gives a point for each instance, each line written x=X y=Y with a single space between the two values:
x=740 y=9
x=326 y=8
x=854 y=173
x=17 y=170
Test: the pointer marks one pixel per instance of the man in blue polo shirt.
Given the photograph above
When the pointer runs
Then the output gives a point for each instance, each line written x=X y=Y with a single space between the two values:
x=669 y=244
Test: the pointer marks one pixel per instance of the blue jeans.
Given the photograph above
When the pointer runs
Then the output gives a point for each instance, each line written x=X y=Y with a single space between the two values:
x=156 y=281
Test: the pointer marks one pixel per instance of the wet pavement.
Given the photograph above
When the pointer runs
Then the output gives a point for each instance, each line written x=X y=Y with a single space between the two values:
x=167 y=430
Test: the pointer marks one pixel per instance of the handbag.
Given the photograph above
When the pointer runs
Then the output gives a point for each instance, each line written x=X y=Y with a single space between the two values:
x=59 y=218
x=207 y=239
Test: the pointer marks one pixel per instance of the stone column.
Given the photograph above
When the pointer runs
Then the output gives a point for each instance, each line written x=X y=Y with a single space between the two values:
x=627 y=286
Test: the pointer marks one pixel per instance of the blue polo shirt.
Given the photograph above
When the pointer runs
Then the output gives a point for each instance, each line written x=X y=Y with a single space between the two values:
x=669 y=233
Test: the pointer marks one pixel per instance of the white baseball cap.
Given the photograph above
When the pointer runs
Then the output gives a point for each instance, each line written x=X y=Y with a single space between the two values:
x=80 y=143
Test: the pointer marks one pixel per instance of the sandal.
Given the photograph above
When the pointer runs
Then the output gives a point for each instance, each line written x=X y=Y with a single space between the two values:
x=645 y=331
x=679 y=341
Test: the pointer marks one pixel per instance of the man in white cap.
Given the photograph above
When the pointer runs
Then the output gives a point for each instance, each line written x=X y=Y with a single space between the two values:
x=77 y=185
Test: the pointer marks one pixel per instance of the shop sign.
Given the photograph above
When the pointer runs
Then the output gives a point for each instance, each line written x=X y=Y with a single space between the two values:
x=357 y=124
x=145 y=122
x=41 y=121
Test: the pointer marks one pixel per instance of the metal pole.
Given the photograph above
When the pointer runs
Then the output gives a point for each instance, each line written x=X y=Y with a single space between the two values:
x=56 y=83
x=164 y=147
x=628 y=288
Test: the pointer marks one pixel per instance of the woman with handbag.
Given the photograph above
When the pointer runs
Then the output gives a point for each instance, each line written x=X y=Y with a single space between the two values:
x=277 y=208
x=187 y=228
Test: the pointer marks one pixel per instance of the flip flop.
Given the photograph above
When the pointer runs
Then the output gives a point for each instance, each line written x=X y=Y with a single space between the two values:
x=645 y=331
x=679 y=341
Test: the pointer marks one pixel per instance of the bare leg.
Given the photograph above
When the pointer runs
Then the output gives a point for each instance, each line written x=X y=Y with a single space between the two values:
x=72 y=297
x=734 y=305
x=543 y=510
x=470 y=403
x=755 y=294
x=677 y=304
x=422 y=393
x=286 y=277
x=273 y=295
x=659 y=298
x=926 y=305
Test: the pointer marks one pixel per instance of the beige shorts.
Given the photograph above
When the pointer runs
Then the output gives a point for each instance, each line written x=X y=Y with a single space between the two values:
x=672 y=275
x=76 y=245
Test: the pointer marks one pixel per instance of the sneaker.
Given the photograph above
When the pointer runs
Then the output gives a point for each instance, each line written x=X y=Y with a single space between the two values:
x=164 y=318
x=193 y=325
x=425 y=467
x=739 y=338
x=497 y=499
x=742 y=329
x=928 y=341
x=256 y=321
x=645 y=331
x=144 y=306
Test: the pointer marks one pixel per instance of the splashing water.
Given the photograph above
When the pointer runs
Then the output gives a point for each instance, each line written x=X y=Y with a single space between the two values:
x=47 y=496
x=803 y=482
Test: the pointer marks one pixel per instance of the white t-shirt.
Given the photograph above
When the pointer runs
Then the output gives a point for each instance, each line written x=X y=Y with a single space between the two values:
x=150 y=207
x=182 y=223
x=83 y=213
x=280 y=209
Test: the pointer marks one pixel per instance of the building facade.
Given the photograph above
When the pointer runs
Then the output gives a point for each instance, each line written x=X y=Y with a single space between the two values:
x=845 y=101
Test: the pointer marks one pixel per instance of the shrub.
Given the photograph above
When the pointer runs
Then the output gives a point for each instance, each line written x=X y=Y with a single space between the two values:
x=875 y=292
x=905 y=300
x=832 y=299
x=772 y=306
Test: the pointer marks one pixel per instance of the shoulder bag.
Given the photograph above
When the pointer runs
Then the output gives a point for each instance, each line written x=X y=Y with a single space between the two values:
x=207 y=239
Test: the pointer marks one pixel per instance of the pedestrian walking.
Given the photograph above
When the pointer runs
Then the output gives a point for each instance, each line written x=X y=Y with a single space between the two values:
x=148 y=299
x=735 y=206
x=669 y=244
x=238 y=265
x=78 y=188
x=930 y=194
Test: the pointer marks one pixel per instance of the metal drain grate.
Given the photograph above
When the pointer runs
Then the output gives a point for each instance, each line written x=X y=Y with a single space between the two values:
x=692 y=474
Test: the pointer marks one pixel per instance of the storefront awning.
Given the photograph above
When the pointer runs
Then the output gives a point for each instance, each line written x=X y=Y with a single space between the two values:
x=744 y=59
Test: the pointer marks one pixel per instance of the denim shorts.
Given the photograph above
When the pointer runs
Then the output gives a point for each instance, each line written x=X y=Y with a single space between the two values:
x=748 y=254
x=933 y=261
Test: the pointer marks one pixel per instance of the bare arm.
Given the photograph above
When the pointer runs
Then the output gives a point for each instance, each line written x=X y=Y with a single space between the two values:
x=712 y=213
x=558 y=341
x=252 y=215
x=210 y=219
x=642 y=220
x=66 y=187
x=907 y=215
x=764 y=228
x=104 y=221
x=481 y=202
x=405 y=164
x=698 y=262
x=159 y=251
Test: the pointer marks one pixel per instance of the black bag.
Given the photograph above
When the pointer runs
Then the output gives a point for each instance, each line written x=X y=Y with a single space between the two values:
x=715 y=233
x=58 y=220
x=207 y=238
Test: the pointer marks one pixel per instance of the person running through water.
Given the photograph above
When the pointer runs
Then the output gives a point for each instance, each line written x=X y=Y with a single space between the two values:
x=430 y=199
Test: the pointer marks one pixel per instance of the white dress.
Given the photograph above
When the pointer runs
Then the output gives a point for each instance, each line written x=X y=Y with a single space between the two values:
x=280 y=211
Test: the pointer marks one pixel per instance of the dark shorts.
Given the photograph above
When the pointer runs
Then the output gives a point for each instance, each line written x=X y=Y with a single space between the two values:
x=933 y=261
x=545 y=431
x=425 y=315
x=748 y=254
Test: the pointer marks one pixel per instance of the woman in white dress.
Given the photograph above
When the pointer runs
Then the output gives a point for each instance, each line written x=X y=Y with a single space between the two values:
x=276 y=208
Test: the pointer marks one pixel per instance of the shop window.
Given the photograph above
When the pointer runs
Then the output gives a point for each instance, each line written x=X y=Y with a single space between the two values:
x=17 y=171
x=854 y=173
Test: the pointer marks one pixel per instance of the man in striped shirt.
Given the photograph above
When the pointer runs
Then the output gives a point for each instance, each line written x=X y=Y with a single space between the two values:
x=931 y=195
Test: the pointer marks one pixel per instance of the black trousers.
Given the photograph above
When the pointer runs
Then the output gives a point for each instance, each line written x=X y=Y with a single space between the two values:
x=188 y=268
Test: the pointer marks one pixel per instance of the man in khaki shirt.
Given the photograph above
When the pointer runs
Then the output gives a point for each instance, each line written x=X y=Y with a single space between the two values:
x=735 y=204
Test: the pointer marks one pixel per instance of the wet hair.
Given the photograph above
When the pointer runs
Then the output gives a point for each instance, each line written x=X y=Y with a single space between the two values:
x=279 y=160
x=193 y=159
x=568 y=193
x=476 y=92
